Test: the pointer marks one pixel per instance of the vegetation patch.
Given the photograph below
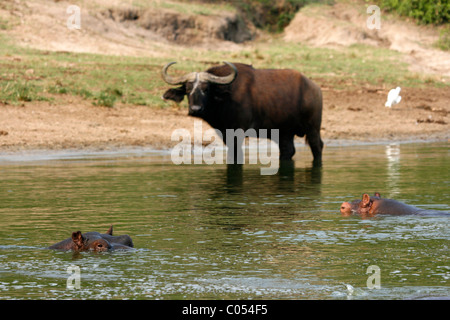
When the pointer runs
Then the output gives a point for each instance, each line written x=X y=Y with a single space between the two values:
x=108 y=97
x=423 y=11
x=16 y=92
x=270 y=15
x=444 y=39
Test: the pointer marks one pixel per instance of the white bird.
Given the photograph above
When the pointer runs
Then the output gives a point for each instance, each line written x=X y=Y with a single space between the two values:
x=393 y=97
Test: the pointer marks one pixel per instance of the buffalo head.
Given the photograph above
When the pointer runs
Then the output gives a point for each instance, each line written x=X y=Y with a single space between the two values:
x=196 y=86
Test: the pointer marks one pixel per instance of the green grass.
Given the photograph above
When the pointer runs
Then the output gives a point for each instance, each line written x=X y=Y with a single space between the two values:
x=20 y=91
x=444 y=39
x=183 y=6
x=4 y=25
x=34 y=75
x=358 y=64
x=191 y=7
x=104 y=80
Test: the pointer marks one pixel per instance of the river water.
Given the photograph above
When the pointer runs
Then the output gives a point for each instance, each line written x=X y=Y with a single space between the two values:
x=225 y=231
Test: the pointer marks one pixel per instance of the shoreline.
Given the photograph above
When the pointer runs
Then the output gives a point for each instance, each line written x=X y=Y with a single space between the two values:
x=113 y=152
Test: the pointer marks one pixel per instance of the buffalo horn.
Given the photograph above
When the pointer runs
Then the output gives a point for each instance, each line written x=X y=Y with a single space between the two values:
x=176 y=80
x=203 y=76
x=220 y=80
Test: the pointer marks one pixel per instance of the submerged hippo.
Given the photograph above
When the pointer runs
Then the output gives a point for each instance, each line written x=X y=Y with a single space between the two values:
x=370 y=206
x=94 y=241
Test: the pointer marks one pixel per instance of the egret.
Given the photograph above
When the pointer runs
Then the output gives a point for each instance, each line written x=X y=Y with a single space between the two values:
x=393 y=97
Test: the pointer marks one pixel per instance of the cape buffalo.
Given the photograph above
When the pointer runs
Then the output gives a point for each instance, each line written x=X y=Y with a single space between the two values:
x=237 y=96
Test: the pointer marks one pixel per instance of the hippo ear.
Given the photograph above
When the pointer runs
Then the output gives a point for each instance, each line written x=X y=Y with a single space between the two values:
x=377 y=194
x=365 y=199
x=110 y=231
x=78 y=239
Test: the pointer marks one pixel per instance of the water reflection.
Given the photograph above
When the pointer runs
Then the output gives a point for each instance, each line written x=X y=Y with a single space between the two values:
x=393 y=167
x=288 y=179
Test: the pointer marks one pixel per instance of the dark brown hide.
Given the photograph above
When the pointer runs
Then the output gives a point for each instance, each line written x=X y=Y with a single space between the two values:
x=259 y=99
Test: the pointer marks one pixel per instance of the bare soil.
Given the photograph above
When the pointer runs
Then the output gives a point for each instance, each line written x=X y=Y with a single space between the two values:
x=354 y=113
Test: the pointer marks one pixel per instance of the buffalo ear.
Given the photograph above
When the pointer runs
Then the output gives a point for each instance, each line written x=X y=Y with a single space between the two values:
x=78 y=239
x=175 y=94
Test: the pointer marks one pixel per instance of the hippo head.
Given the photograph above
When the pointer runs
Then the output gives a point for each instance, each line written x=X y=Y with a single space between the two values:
x=348 y=208
x=362 y=207
x=89 y=241
x=94 y=241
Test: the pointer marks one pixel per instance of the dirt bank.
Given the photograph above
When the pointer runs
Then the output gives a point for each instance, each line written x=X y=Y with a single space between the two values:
x=117 y=28
x=345 y=24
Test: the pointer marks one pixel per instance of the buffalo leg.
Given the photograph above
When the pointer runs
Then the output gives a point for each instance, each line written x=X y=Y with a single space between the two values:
x=316 y=145
x=287 y=149
x=234 y=149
